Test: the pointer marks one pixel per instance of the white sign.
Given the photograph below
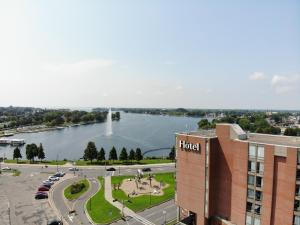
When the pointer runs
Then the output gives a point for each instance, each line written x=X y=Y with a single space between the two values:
x=189 y=146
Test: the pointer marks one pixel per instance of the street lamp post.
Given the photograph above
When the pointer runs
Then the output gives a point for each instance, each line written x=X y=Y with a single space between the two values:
x=165 y=216
x=56 y=162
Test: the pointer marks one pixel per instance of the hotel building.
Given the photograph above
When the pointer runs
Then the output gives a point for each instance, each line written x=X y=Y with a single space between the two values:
x=227 y=176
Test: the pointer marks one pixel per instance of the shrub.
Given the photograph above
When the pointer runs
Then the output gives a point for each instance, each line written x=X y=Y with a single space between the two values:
x=77 y=187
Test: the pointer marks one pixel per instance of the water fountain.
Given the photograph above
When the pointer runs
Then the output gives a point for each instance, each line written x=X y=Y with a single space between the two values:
x=109 y=131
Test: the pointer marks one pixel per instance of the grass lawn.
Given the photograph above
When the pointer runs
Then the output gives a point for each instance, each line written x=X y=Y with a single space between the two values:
x=146 y=201
x=118 y=162
x=53 y=162
x=67 y=192
x=100 y=210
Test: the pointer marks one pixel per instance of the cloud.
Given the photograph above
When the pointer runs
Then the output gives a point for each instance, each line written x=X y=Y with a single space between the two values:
x=285 y=84
x=257 y=76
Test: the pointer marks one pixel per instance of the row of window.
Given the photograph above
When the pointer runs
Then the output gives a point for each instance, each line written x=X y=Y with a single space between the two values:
x=251 y=220
x=256 y=151
x=256 y=167
x=256 y=195
x=255 y=181
x=296 y=220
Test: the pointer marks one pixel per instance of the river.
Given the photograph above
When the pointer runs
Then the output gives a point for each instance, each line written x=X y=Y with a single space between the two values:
x=132 y=131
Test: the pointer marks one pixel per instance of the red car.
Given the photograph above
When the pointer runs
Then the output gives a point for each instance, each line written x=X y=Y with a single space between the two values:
x=43 y=188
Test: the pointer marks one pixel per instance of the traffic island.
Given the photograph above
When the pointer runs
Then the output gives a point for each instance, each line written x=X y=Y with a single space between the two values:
x=99 y=209
x=76 y=189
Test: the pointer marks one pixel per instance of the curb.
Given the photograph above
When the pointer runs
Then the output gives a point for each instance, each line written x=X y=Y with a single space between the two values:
x=52 y=205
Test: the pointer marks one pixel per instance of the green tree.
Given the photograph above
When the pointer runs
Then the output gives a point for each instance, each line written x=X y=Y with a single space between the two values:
x=41 y=153
x=90 y=152
x=204 y=124
x=113 y=154
x=131 y=155
x=138 y=155
x=123 y=154
x=172 y=153
x=31 y=152
x=101 y=155
x=17 y=154
x=244 y=123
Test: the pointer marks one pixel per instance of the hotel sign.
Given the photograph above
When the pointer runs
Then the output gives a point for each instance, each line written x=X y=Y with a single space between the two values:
x=189 y=147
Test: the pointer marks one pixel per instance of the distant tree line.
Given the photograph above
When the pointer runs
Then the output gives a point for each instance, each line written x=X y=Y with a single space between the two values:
x=256 y=124
x=13 y=117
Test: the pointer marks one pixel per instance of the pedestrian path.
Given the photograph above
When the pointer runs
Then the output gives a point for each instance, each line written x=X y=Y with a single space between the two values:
x=126 y=211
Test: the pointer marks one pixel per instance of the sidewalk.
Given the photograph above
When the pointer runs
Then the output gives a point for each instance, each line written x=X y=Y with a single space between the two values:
x=126 y=211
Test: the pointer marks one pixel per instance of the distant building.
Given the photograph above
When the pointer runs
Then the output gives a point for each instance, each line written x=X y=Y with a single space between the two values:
x=229 y=177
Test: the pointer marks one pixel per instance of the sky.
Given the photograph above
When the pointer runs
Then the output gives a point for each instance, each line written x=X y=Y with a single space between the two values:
x=138 y=53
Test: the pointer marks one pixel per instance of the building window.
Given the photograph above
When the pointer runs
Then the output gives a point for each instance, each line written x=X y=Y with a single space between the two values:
x=257 y=209
x=251 y=166
x=297 y=190
x=259 y=182
x=296 y=220
x=297 y=205
x=259 y=167
x=248 y=220
x=258 y=195
x=250 y=193
x=252 y=151
x=249 y=206
x=298 y=158
x=260 y=152
x=298 y=174
x=256 y=221
x=251 y=179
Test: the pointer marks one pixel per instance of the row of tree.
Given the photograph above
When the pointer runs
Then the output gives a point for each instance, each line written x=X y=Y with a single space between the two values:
x=91 y=153
x=32 y=151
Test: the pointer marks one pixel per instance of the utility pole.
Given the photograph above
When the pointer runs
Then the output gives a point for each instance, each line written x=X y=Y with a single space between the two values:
x=165 y=217
x=57 y=162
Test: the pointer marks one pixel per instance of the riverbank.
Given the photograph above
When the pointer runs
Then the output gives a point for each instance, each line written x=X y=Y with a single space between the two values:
x=40 y=128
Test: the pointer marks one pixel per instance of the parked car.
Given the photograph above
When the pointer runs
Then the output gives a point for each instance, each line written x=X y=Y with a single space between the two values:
x=59 y=174
x=53 y=178
x=73 y=169
x=46 y=185
x=147 y=169
x=55 y=222
x=111 y=169
x=6 y=168
x=48 y=182
x=43 y=188
x=41 y=195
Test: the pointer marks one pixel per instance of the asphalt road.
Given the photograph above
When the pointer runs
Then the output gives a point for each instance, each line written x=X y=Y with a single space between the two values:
x=154 y=214
x=65 y=206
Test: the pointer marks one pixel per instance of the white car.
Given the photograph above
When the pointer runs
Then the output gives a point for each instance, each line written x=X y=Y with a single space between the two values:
x=53 y=178
x=48 y=182
x=6 y=168
x=73 y=169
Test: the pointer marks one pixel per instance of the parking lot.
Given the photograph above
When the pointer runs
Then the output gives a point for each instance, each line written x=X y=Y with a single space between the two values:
x=17 y=203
